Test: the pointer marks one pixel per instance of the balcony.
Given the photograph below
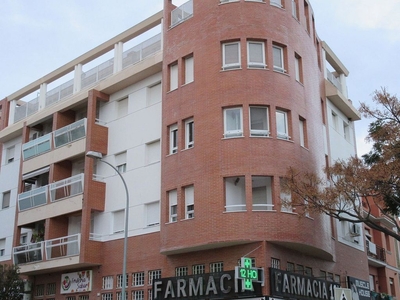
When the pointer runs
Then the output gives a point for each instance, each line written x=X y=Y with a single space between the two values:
x=55 y=253
x=182 y=13
x=376 y=252
x=56 y=191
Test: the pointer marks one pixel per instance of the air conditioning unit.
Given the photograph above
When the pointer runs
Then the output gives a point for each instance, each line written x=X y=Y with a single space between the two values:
x=355 y=229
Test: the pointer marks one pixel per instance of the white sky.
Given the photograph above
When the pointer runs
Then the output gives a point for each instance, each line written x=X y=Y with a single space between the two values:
x=42 y=35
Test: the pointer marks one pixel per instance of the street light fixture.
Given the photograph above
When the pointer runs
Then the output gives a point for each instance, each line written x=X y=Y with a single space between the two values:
x=99 y=156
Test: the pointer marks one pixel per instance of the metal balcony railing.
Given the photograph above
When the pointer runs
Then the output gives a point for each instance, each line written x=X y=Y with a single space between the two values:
x=55 y=248
x=59 y=190
x=376 y=252
x=182 y=13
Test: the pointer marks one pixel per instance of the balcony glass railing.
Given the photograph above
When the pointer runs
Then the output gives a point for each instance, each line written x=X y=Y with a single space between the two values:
x=182 y=13
x=60 y=92
x=70 y=133
x=28 y=253
x=36 y=147
x=25 y=110
x=141 y=51
x=59 y=190
x=62 y=247
x=66 y=188
x=334 y=80
x=97 y=73
x=62 y=136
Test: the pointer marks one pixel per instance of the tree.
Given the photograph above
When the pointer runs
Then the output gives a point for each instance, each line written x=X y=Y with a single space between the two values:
x=11 y=285
x=359 y=190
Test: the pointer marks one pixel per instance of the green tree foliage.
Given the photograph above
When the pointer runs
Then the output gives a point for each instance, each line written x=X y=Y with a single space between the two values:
x=11 y=285
x=359 y=190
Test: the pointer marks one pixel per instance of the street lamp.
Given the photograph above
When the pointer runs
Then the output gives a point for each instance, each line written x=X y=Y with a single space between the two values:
x=99 y=156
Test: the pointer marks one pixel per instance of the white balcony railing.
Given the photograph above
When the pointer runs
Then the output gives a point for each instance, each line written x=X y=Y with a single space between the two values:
x=47 y=250
x=334 y=80
x=60 y=92
x=36 y=147
x=59 y=190
x=98 y=73
x=141 y=51
x=66 y=188
x=235 y=207
x=62 y=247
x=62 y=136
x=182 y=13
x=29 y=108
x=28 y=253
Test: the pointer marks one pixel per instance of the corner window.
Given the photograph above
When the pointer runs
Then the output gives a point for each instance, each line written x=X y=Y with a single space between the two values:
x=235 y=195
x=262 y=193
x=259 y=125
x=6 y=200
x=189 y=133
x=233 y=122
x=173 y=139
x=189 y=69
x=278 y=58
x=173 y=76
x=298 y=68
x=189 y=202
x=231 y=55
x=277 y=3
x=255 y=54
x=173 y=206
x=282 y=129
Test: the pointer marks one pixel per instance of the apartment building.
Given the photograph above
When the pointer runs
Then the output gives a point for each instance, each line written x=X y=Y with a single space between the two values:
x=202 y=121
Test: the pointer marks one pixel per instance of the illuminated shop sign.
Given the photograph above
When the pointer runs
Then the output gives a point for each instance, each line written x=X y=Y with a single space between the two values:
x=360 y=289
x=248 y=274
x=76 y=282
x=292 y=285
x=223 y=285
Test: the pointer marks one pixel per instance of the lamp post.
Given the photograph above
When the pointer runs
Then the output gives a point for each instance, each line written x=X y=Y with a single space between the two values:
x=99 y=156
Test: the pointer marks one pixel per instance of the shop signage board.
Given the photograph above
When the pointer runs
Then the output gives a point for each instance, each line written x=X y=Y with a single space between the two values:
x=76 y=282
x=360 y=289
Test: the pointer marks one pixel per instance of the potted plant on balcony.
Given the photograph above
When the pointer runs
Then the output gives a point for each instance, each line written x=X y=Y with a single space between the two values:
x=37 y=235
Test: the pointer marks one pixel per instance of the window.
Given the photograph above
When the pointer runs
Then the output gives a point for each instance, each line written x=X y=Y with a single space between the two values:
x=173 y=76
x=120 y=162
x=231 y=55
x=322 y=274
x=334 y=120
x=346 y=131
x=253 y=262
x=262 y=192
x=278 y=58
x=189 y=202
x=39 y=290
x=107 y=296
x=189 y=69
x=153 y=213
x=173 y=139
x=118 y=221
x=70 y=298
x=138 y=295
x=6 y=200
x=235 y=194
x=275 y=263
x=107 y=282
x=51 y=288
x=308 y=271
x=233 y=122
x=119 y=295
x=154 y=274
x=306 y=15
x=83 y=297
x=10 y=154
x=282 y=125
x=154 y=94
x=298 y=68
x=255 y=54
x=294 y=9
x=337 y=279
x=277 y=3
x=153 y=153
x=23 y=240
x=300 y=269
x=286 y=197
x=216 y=267
x=198 y=269
x=173 y=205
x=303 y=132
x=119 y=280
x=259 y=121
x=2 y=247
x=181 y=271
x=122 y=107
x=189 y=134
x=138 y=279
x=290 y=267
x=149 y=294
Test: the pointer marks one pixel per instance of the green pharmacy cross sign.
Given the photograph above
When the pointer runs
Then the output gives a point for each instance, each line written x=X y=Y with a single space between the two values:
x=248 y=274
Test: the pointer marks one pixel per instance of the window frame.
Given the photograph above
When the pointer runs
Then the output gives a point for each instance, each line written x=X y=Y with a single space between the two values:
x=282 y=135
x=276 y=4
x=278 y=68
x=173 y=139
x=10 y=155
x=189 y=201
x=259 y=132
x=173 y=76
x=298 y=68
x=189 y=68
x=233 y=132
x=234 y=65
x=256 y=65
x=189 y=133
x=6 y=196
x=173 y=205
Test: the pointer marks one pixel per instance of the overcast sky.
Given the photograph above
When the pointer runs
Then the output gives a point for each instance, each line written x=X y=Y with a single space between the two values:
x=42 y=35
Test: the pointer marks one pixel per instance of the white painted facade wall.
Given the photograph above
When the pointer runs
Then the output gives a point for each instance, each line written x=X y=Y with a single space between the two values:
x=134 y=127
x=9 y=182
